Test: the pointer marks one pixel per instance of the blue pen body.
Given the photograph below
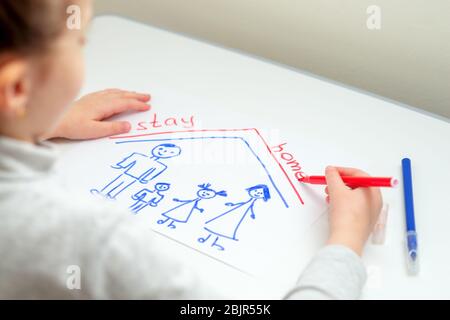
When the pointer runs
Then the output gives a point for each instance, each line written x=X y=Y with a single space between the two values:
x=411 y=235
x=408 y=193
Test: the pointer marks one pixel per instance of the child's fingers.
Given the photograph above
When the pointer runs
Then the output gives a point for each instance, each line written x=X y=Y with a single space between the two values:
x=108 y=128
x=111 y=91
x=144 y=97
x=334 y=180
x=326 y=190
x=123 y=105
x=344 y=171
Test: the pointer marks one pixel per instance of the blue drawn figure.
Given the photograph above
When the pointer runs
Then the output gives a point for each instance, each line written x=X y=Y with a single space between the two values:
x=226 y=225
x=183 y=212
x=147 y=197
x=139 y=167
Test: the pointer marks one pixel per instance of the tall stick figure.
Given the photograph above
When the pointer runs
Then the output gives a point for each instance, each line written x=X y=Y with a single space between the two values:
x=139 y=167
x=227 y=224
x=183 y=212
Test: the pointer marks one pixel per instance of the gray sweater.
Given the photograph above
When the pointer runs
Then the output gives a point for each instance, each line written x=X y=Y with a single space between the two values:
x=45 y=228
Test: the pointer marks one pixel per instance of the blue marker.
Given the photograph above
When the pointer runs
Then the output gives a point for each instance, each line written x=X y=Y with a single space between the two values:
x=411 y=234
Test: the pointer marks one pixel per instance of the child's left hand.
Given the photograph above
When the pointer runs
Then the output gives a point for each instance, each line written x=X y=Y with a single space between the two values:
x=86 y=119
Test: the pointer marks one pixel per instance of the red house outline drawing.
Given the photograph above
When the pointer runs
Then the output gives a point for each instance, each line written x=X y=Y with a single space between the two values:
x=222 y=130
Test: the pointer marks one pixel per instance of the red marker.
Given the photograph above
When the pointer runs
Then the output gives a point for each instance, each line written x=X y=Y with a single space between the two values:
x=355 y=182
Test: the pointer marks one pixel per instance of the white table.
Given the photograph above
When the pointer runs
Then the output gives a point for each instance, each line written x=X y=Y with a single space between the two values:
x=335 y=123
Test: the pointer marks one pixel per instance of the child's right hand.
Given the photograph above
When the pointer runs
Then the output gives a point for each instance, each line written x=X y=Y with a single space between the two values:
x=353 y=213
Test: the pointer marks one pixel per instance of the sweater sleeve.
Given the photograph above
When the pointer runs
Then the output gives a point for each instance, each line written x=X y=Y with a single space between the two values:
x=336 y=272
x=129 y=265
x=124 y=261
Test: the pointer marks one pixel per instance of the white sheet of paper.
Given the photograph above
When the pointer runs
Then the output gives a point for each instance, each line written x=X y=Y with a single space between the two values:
x=224 y=193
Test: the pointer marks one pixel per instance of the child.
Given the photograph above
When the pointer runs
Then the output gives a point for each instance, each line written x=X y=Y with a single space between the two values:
x=44 y=229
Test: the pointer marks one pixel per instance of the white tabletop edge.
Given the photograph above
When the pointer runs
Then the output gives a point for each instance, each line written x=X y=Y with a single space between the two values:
x=283 y=66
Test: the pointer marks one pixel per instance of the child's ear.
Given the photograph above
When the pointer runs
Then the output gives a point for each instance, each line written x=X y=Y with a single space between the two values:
x=14 y=88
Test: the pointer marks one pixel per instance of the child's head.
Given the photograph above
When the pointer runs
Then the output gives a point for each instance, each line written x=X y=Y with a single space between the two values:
x=260 y=191
x=166 y=150
x=206 y=192
x=162 y=186
x=41 y=64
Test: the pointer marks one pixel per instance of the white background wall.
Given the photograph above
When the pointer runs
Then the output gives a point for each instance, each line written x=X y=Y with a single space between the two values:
x=407 y=60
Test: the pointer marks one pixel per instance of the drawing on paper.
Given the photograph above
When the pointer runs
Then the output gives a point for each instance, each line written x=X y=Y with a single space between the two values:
x=166 y=187
x=140 y=168
x=183 y=211
x=146 y=197
x=227 y=224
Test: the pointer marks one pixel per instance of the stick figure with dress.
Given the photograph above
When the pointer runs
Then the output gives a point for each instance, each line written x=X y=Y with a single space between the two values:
x=183 y=212
x=227 y=224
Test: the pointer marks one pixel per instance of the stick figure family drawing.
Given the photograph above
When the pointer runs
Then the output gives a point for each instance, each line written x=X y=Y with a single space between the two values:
x=142 y=169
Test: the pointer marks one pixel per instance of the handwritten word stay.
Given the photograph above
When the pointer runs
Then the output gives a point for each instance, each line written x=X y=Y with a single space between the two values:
x=156 y=122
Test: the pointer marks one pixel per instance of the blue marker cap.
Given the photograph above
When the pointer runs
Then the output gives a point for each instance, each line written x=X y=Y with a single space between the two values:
x=411 y=249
